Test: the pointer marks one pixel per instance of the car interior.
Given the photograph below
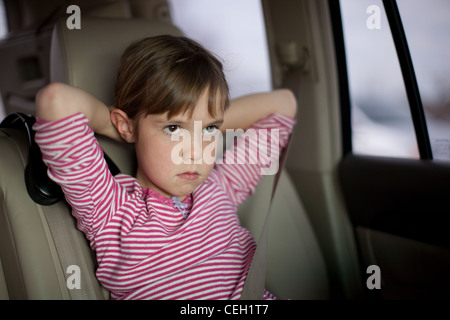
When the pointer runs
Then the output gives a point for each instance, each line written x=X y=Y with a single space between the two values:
x=328 y=222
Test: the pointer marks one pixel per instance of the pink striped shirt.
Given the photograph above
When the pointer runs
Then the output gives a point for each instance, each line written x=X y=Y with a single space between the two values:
x=145 y=248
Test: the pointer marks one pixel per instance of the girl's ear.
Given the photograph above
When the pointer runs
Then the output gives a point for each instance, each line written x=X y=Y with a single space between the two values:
x=123 y=124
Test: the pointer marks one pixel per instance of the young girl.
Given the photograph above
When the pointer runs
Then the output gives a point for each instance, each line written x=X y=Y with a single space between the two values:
x=172 y=231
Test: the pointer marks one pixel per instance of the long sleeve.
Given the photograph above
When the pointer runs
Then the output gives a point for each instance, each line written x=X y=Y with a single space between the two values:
x=253 y=154
x=75 y=161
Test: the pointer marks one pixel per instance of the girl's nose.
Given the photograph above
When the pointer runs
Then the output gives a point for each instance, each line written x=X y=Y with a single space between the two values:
x=193 y=148
x=193 y=151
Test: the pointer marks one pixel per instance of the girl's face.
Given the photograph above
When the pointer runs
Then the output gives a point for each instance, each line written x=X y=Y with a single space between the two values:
x=174 y=155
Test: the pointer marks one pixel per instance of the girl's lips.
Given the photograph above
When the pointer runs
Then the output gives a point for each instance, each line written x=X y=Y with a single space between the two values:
x=188 y=175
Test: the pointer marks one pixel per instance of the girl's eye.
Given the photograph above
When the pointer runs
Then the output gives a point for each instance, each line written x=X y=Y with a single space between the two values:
x=210 y=129
x=172 y=129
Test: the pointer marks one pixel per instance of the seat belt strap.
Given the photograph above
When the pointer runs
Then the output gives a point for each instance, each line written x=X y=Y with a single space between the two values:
x=73 y=250
x=256 y=278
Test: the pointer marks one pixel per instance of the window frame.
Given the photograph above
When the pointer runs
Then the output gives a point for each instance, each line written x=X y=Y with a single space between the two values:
x=342 y=72
x=408 y=75
x=409 y=78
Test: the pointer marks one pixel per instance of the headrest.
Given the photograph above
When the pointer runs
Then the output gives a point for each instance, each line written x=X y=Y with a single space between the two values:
x=88 y=58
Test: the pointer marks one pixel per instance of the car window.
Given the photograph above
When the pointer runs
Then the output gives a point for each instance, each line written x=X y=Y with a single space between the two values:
x=427 y=28
x=3 y=22
x=381 y=119
x=234 y=30
x=3 y=31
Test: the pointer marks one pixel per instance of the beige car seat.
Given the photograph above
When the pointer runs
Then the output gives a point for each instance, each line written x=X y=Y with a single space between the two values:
x=41 y=250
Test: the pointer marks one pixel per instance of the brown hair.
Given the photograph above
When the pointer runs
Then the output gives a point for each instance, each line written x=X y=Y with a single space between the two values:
x=168 y=74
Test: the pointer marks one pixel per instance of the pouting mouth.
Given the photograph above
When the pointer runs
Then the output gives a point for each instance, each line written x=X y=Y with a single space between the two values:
x=189 y=175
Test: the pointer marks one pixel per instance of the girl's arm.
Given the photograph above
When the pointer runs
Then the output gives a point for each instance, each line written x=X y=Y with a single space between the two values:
x=245 y=111
x=67 y=119
x=256 y=152
x=57 y=101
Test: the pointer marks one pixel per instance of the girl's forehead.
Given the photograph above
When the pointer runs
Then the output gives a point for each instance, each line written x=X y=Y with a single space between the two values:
x=206 y=107
x=203 y=108
x=199 y=114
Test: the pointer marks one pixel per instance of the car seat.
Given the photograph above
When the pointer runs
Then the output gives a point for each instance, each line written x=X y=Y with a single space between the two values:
x=41 y=250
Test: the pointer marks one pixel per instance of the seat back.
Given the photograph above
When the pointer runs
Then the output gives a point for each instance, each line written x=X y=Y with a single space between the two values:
x=88 y=58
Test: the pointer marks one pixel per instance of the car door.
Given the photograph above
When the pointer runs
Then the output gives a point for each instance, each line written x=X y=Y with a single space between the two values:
x=395 y=173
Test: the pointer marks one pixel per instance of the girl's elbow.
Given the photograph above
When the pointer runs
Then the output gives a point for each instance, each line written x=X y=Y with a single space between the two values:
x=289 y=102
x=48 y=100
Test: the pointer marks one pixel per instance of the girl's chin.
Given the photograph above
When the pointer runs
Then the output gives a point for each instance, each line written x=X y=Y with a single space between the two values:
x=184 y=191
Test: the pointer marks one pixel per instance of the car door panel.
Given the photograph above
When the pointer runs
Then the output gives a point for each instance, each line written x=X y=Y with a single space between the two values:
x=398 y=207
x=405 y=197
